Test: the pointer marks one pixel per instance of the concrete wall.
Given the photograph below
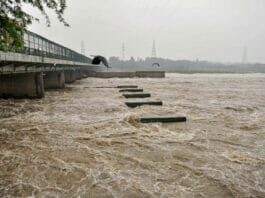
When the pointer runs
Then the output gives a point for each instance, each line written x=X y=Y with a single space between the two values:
x=28 y=80
x=139 y=74
x=78 y=74
x=29 y=85
x=91 y=73
x=115 y=74
x=150 y=74
x=54 y=80
x=69 y=76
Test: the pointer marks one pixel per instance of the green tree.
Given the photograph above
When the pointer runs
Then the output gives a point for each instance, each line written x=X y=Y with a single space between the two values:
x=14 y=21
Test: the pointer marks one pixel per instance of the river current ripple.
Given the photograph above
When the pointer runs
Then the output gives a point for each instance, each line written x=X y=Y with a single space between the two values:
x=83 y=141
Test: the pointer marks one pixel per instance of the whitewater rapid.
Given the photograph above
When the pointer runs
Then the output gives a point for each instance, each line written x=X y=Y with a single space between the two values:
x=83 y=141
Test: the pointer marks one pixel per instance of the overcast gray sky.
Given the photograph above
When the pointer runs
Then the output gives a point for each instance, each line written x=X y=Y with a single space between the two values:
x=214 y=30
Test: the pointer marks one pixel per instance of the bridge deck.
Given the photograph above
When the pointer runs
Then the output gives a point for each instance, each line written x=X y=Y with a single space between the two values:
x=11 y=62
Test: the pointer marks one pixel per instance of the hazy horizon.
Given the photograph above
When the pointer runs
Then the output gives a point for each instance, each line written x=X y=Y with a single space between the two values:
x=212 y=30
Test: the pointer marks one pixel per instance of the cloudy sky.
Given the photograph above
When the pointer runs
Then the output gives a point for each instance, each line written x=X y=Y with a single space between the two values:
x=214 y=30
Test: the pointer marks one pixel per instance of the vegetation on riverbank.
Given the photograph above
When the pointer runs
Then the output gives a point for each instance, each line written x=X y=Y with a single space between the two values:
x=184 y=66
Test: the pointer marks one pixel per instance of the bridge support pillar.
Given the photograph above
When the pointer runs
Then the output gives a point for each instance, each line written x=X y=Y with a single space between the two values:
x=89 y=73
x=54 y=80
x=70 y=76
x=26 y=85
x=78 y=74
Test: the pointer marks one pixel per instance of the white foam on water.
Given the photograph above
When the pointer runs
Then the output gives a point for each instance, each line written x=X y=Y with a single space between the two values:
x=84 y=142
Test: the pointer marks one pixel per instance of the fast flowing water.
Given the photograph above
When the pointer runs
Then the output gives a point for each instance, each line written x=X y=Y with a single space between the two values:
x=83 y=141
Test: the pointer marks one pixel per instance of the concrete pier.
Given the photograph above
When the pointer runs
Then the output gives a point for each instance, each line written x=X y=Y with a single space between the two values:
x=138 y=95
x=127 y=86
x=115 y=74
x=78 y=74
x=69 y=76
x=26 y=85
x=89 y=73
x=136 y=104
x=54 y=80
x=161 y=119
x=131 y=90
x=150 y=74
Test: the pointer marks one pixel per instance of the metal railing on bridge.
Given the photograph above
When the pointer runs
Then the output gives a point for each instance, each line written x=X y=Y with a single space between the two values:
x=37 y=45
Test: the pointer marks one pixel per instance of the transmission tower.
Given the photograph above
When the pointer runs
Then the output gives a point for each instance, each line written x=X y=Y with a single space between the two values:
x=83 y=51
x=154 y=49
x=123 y=51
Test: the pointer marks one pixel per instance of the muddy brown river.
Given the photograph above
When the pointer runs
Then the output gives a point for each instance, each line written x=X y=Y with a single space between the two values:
x=83 y=141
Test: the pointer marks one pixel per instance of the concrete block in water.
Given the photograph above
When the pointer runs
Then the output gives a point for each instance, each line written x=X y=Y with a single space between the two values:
x=135 y=104
x=54 y=80
x=69 y=76
x=127 y=86
x=27 y=85
x=115 y=74
x=150 y=74
x=78 y=74
x=140 y=95
x=131 y=90
x=161 y=119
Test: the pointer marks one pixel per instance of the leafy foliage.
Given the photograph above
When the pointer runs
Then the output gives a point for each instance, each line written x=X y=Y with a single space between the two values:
x=14 y=21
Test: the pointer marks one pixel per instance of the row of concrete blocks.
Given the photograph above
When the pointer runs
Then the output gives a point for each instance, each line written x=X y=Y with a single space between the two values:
x=33 y=85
